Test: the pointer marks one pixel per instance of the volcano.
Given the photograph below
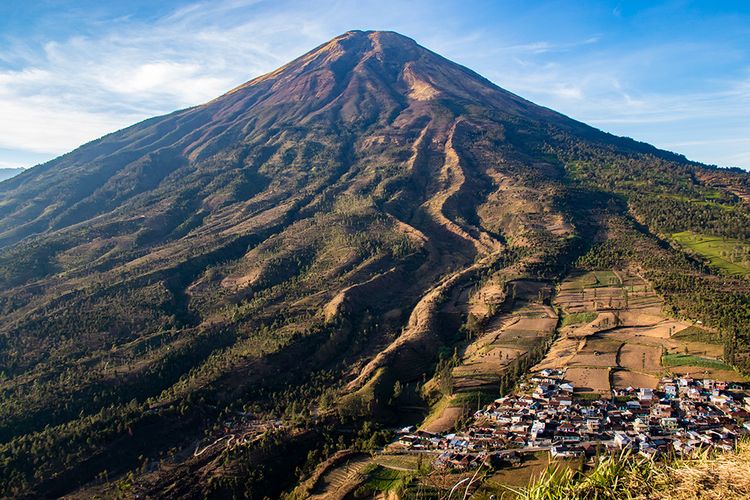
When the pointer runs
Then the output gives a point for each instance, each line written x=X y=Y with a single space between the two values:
x=296 y=248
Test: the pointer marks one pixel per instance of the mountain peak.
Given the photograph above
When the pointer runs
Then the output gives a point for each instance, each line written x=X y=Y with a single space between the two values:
x=359 y=66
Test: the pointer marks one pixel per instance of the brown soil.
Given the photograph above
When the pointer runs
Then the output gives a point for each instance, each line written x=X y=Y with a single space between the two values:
x=623 y=379
x=641 y=358
x=445 y=422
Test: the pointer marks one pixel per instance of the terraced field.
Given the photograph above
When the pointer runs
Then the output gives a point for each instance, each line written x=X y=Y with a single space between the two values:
x=524 y=323
x=625 y=343
x=508 y=336
x=340 y=480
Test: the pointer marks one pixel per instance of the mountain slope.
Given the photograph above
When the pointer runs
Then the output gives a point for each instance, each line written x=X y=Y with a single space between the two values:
x=7 y=173
x=293 y=247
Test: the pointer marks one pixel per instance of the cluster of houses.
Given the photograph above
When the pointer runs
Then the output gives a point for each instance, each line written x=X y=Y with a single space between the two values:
x=681 y=415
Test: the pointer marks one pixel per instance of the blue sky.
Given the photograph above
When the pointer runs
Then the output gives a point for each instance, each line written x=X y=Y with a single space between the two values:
x=674 y=73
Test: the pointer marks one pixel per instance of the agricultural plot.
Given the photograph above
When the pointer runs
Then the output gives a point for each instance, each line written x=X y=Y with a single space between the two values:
x=644 y=358
x=596 y=352
x=522 y=324
x=729 y=255
x=615 y=336
x=622 y=379
x=507 y=337
x=589 y=379
x=341 y=479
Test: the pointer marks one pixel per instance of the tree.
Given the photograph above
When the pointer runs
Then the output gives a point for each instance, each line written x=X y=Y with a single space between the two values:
x=397 y=390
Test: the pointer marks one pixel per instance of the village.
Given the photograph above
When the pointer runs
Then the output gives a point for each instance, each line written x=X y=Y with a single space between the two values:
x=682 y=415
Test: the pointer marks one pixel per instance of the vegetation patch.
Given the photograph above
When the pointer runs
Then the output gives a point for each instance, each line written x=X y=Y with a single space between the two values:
x=697 y=334
x=689 y=360
x=727 y=254
x=400 y=462
x=709 y=475
x=578 y=318
x=385 y=479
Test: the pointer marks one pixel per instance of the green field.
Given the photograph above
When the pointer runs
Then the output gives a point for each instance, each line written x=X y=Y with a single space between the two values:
x=688 y=360
x=697 y=334
x=383 y=479
x=731 y=256
x=579 y=318
x=595 y=279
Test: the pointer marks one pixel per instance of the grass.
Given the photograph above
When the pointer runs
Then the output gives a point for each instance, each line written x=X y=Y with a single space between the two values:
x=689 y=360
x=578 y=318
x=594 y=279
x=706 y=475
x=585 y=280
x=436 y=410
x=729 y=255
x=384 y=479
x=614 y=477
x=530 y=469
x=697 y=334
x=607 y=278
x=473 y=399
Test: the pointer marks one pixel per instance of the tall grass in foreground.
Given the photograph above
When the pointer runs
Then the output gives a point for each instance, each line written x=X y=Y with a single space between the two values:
x=708 y=475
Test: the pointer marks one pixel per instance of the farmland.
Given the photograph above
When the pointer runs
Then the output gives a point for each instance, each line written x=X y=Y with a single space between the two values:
x=729 y=255
x=628 y=341
x=500 y=343
x=617 y=347
x=506 y=337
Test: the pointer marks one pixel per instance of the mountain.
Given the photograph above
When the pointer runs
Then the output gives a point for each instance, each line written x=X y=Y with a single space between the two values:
x=297 y=248
x=7 y=173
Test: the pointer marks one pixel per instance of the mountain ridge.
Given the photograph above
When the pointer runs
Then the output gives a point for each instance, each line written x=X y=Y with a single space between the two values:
x=9 y=172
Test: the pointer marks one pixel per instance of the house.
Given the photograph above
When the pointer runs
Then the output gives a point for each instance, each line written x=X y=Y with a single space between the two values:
x=645 y=393
x=592 y=425
x=668 y=423
x=537 y=428
x=622 y=440
x=633 y=405
x=564 y=451
x=408 y=440
x=670 y=390
x=566 y=387
x=661 y=411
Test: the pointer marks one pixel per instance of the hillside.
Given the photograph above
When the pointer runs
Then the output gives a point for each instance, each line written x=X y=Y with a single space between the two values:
x=7 y=173
x=298 y=248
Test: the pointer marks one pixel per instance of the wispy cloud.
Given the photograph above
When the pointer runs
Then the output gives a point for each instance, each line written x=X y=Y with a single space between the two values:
x=79 y=88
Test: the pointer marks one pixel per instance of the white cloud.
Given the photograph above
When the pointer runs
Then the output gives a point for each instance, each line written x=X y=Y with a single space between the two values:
x=77 y=89
x=42 y=124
